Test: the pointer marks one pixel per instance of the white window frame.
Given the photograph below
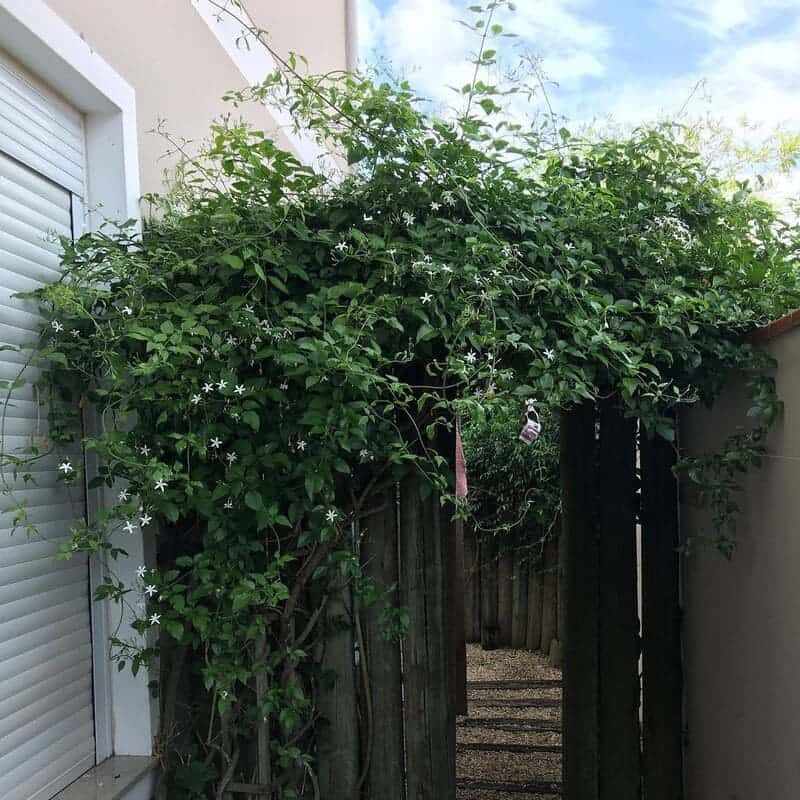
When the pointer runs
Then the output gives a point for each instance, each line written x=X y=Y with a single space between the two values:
x=40 y=40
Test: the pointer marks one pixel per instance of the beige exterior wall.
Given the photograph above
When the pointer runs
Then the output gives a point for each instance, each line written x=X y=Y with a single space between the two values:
x=180 y=71
x=742 y=624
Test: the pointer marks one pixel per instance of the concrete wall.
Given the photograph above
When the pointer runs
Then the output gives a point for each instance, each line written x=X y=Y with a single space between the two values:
x=180 y=71
x=742 y=624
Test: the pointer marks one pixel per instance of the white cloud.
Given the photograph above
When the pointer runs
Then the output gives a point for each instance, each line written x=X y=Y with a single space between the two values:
x=424 y=40
x=720 y=17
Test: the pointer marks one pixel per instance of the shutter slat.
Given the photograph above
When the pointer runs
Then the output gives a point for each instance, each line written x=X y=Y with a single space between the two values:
x=51 y=775
x=63 y=668
x=39 y=637
x=30 y=665
x=44 y=705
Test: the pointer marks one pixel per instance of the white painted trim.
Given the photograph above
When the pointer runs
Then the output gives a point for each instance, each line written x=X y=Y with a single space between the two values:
x=45 y=45
x=254 y=63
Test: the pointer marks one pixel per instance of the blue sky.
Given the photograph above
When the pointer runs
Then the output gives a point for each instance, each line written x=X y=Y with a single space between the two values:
x=630 y=60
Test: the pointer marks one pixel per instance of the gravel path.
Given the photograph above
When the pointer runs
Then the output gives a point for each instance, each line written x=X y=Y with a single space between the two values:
x=509 y=751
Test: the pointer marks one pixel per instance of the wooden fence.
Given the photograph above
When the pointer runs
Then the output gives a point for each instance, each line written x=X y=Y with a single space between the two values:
x=511 y=597
x=388 y=706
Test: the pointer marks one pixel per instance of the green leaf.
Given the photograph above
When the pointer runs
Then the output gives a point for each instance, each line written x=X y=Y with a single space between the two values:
x=254 y=501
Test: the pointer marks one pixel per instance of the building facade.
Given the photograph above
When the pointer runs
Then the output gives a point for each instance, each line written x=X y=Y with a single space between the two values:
x=84 y=87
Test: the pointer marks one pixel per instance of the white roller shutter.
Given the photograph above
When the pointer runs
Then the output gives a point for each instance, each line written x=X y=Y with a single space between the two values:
x=46 y=694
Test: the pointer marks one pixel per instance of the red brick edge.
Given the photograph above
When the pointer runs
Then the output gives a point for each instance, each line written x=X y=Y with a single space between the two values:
x=776 y=328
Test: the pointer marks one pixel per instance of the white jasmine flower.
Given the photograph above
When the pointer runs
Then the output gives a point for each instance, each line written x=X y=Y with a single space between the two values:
x=66 y=467
x=285 y=385
x=204 y=350
x=155 y=619
x=160 y=485
x=471 y=357
x=150 y=590
x=228 y=505
x=141 y=571
x=224 y=694
x=222 y=385
x=240 y=390
x=216 y=443
x=145 y=520
x=56 y=326
x=129 y=527
x=231 y=457
x=76 y=333
x=301 y=445
x=208 y=387
x=196 y=398
x=144 y=450
x=435 y=206
x=331 y=515
x=392 y=252
x=408 y=218
x=341 y=246
x=123 y=496
x=549 y=354
x=128 y=311
x=199 y=360
x=426 y=298
x=449 y=198
x=249 y=309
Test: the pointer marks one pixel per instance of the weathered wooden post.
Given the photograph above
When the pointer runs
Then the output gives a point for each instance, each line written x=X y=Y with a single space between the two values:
x=337 y=737
x=581 y=587
x=505 y=597
x=472 y=586
x=533 y=636
x=429 y=715
x=519 y=607
x=383 y=753
x=549 y=624
x=661 y=623
x=488 y=558
x=620 y=777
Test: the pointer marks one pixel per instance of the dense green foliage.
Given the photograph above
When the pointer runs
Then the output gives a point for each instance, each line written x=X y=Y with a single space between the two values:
x=514 y=491
x=280 y=344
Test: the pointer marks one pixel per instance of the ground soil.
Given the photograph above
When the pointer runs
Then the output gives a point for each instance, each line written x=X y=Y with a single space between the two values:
x=522 y=774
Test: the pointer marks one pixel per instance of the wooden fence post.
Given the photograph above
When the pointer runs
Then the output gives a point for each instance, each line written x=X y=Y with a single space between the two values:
x=488 y=560
x=533 y=636
x=337 y=737
x=504 y=598
x=428 y=709
x=519 y=606
x=381 y=661
x=472 y=586
x=661 y=624
x=455 y=570
x=620 y=777
x=580 y=584
x=549 y=629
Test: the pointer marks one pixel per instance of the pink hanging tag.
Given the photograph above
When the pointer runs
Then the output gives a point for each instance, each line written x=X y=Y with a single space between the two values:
x=461 y=463
x=532 y=427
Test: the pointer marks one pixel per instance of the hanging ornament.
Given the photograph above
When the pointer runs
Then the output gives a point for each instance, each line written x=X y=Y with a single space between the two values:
x=532 y=427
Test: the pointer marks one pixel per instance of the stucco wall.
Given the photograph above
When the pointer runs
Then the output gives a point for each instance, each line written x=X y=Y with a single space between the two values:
x=180 y=71
x=742 y=624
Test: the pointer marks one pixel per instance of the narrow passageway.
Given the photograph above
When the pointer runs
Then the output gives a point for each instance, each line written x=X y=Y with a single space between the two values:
x=509 y=744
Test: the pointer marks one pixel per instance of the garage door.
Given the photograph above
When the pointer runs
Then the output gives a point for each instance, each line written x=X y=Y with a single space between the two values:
x=46 y=697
